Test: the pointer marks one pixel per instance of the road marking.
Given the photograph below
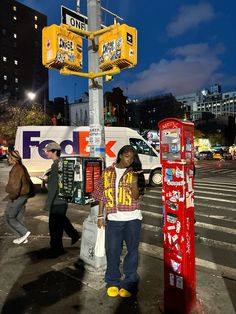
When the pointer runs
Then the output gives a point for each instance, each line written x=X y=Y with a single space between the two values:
x=211 y=188
x=215 y=199
x=157 y=215
x=218 y=244
x=157 y=252
x=214 y=193
x=205 y=182
x=209 y=206
x=197 y=197
x=216 y=228
x=45 y=219
x=198 y=224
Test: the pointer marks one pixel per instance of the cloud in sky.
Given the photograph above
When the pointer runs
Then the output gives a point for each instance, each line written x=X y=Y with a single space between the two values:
x=190 y=16
x=190 y=68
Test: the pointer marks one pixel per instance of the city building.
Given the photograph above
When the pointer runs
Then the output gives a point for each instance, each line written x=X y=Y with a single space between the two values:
x=79 y=111
x=211 y=100
x=23 y=78
x=146 y=113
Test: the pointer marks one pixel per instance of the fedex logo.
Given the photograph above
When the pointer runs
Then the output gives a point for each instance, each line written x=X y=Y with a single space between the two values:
x=79 y=144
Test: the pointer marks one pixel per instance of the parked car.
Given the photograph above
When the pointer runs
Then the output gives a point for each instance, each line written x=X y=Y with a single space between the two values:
x=227 y=155
x=205 y=154
x=217 y=154
x=221 y=154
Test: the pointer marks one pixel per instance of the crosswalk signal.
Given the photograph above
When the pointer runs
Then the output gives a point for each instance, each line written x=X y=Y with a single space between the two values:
x=118 y=48
x=61 y=48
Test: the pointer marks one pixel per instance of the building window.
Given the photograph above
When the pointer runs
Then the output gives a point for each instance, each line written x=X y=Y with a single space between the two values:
x=14 y=8
x=16 y=79
x=15 y=35
x=5 y=86
x=35 y=18
x=35 y=26
x=5 y=77
x=4 y=59
x=16 y=62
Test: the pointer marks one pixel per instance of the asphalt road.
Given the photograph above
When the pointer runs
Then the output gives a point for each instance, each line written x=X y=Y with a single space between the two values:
x=215 y=239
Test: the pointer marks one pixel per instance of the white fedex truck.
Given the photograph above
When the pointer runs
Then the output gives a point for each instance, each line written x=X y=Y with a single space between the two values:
x=30 y=141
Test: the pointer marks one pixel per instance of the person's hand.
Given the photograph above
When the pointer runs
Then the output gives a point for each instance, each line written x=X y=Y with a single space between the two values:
x=100 y=222
x=44 y=178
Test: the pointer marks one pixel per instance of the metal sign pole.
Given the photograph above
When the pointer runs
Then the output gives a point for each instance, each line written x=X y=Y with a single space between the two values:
x=96 y=117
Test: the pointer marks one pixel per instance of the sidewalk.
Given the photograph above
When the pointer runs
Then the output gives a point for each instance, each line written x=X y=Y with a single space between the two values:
x=31 y=284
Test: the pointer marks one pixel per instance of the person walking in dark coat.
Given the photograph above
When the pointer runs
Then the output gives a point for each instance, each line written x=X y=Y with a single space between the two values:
x=58 y=221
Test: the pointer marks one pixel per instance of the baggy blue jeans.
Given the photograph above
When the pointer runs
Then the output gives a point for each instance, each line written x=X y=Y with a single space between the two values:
x=14 y=215
x=116 y=233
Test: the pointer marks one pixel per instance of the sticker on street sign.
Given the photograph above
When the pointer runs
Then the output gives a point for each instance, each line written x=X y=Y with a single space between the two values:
x=74 y=19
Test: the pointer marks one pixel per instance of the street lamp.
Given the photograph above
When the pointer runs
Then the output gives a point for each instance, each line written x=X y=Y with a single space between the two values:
x=31 y=95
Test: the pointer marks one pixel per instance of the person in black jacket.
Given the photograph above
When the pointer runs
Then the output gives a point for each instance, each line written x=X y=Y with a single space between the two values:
x=58 y=221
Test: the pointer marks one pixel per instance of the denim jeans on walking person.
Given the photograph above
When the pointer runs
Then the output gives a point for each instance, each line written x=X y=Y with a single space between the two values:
x=14 y=215
x=116 y=233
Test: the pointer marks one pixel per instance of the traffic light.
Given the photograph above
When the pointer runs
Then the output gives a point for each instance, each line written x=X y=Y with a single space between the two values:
x=118 y=48
x=60 y=48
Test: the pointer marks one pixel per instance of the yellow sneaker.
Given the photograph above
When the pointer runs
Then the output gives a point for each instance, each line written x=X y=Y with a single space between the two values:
x=113 y=291
x=124 y=293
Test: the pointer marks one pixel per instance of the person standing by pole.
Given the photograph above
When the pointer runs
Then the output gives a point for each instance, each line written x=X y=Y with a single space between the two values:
x=58 y=221
x=118 y=192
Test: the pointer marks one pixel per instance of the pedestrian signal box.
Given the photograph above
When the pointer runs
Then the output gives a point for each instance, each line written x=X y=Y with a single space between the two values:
x=60 y=48
x=78 y=176
x=118 y=48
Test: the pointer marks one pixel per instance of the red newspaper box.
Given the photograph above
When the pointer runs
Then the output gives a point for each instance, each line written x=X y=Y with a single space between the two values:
x=177 y=158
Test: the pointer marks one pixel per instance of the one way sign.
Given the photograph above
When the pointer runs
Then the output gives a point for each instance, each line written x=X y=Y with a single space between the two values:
x=74 y=19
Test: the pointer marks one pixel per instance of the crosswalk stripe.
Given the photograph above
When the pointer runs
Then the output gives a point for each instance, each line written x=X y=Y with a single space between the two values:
x=216 y=228
x=216 y=183
x=218 y=244
x=211 y=188
x=216 y=199
x=157 y=229
x=197 y=197
x=157 y=215
x=156 y=251
x=214 y=193
x=209 y=206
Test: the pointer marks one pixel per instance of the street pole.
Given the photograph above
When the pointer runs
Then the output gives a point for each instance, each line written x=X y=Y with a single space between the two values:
x=78 y=6
x=96 y=116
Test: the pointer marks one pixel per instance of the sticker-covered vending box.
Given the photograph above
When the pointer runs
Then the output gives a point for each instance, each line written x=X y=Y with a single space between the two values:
x=176 y=140
x=78 y=176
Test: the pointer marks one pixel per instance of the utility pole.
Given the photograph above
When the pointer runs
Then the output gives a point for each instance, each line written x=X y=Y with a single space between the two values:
x=96 y=115
x=78 y=6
